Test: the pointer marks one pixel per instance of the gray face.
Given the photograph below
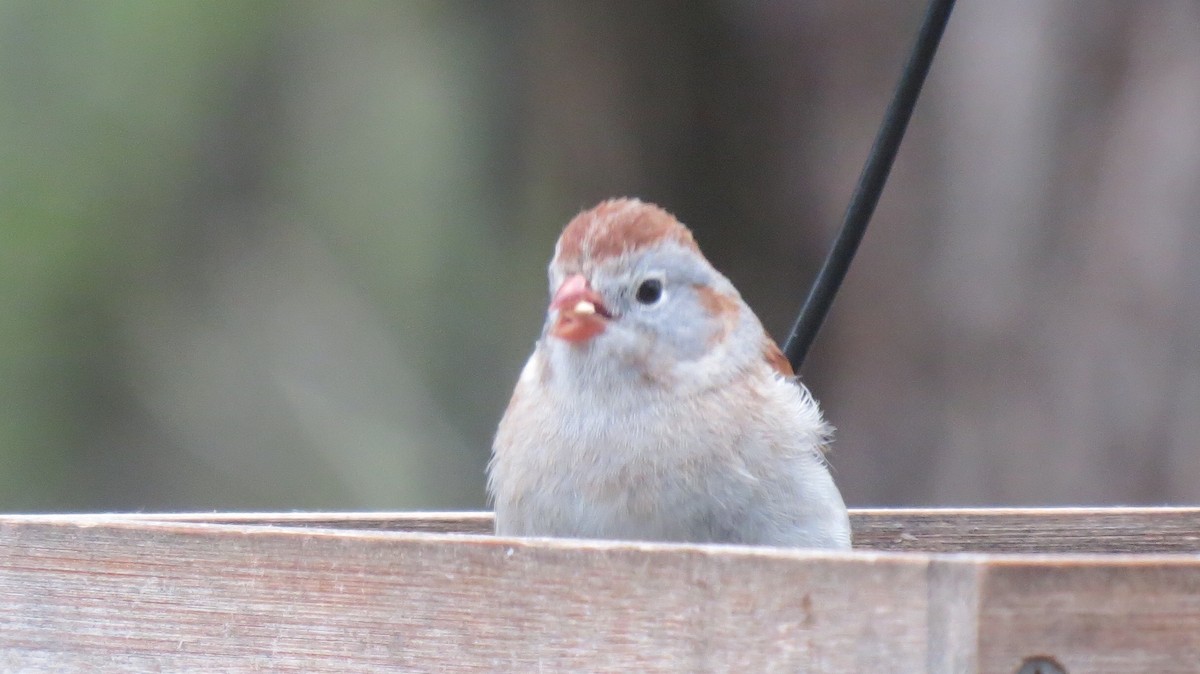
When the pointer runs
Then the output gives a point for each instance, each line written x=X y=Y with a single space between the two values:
x=659 y=317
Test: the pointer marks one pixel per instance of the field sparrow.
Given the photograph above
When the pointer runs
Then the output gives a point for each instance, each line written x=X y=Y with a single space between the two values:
x=655 y=406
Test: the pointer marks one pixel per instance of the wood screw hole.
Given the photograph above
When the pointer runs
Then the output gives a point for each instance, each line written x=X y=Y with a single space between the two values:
x=1041 y=664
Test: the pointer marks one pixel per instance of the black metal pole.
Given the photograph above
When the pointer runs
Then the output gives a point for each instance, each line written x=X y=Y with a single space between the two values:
x=870 y=184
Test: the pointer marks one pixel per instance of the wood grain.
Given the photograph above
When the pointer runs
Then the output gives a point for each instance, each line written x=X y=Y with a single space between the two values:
x=1071 y=530
x=1032 y=530
x=425 y=522
x=352 y=592
x=1100 y=617
x=151 y=596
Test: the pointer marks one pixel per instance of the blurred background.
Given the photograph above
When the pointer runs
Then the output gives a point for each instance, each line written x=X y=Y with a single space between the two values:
x=291 y=255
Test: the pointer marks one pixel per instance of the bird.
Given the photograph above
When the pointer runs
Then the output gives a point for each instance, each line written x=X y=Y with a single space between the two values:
x=655 y=407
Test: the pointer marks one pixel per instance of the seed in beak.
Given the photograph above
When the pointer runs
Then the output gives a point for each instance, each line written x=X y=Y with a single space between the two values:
x=585 y=307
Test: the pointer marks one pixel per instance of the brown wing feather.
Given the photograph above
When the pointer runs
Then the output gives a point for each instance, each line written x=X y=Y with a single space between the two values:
x=775 y=357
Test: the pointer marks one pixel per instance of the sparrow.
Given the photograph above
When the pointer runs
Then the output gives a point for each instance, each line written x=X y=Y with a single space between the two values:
x=655 y=406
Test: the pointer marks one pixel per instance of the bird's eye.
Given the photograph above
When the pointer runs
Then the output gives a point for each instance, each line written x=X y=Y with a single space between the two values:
x=650 y=291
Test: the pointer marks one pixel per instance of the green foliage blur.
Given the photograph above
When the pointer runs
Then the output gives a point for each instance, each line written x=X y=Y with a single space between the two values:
x=248 y=258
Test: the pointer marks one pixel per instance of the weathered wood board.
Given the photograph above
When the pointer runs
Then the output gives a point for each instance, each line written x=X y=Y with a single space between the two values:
x=313 y=592
x=1035 y=530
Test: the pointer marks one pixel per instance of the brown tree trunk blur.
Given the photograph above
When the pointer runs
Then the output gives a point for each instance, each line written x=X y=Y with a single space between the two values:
x=1023 y=322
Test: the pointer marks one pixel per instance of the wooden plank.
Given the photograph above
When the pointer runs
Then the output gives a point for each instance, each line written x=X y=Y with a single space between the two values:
x=1100 y=616
x=116 y=595
x=131 y=593
x=997 y=530
x=425 y=522
x=1029 y=530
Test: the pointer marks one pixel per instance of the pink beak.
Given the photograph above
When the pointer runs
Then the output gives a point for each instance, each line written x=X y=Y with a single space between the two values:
x=581 y=312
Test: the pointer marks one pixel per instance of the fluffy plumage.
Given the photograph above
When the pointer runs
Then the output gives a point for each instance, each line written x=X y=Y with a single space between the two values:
x=655 y=407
